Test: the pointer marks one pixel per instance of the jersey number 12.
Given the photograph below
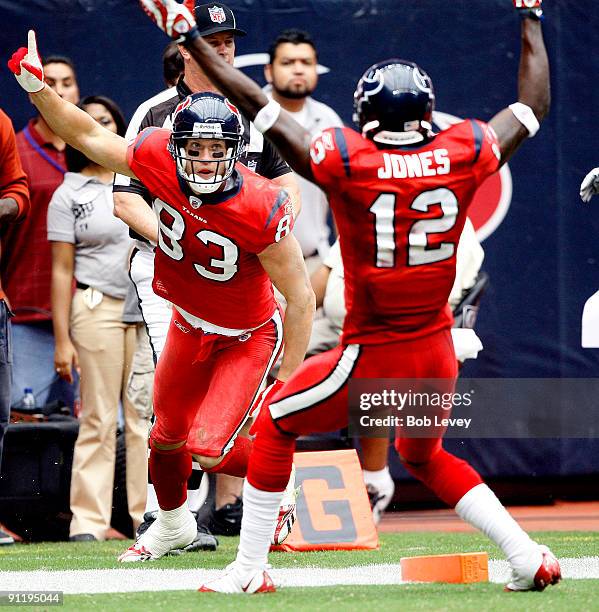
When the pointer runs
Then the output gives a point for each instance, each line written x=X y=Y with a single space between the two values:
x=419 y=251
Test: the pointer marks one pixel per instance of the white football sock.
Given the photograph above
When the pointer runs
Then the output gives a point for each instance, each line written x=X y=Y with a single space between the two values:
x=379 y=478
x=481 y=508
x=174 y=519
x=260 y=512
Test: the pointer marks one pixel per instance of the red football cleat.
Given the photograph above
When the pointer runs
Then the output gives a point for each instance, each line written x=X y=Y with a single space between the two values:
x=549 y=572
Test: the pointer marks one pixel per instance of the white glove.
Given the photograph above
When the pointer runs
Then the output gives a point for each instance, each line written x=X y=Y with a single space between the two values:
x=590 y=185
x=173 y=18
x=26 y=65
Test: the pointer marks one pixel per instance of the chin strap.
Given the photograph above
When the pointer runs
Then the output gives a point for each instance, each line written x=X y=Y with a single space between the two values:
x=397 y=138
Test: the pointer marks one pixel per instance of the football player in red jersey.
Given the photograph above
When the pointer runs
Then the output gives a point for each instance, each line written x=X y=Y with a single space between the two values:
x=224 y=235
x=399 y=194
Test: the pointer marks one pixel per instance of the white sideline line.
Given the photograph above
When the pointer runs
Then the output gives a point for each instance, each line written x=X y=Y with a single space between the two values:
x=146 y=579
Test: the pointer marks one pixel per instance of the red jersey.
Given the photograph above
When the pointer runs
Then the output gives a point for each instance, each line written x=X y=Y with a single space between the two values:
x=13 y=181
x=26 y=266
x=206 y=260
x=400 y=214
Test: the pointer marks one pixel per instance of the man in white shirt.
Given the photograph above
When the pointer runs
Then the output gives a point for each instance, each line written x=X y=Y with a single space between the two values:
x=292 y=77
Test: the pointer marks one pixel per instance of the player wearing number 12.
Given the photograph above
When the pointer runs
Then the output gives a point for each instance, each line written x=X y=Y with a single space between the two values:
x=399 y=194
x=224 y=235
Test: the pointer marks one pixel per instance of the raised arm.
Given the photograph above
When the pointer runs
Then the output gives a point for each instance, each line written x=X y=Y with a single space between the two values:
x=290 y=138
x=66 y=120
x=533 y=86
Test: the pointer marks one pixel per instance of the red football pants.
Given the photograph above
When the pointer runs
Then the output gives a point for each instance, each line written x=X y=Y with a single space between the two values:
x=315 y=400
x=205 y=384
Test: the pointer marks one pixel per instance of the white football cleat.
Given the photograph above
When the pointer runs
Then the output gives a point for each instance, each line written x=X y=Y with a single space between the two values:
x=158 y=540
x=542 y=571
x=287 y=511
x=256 y=581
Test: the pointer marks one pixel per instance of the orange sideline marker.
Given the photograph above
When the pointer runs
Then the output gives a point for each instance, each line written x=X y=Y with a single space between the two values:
x=462 y=568
x=333 y=511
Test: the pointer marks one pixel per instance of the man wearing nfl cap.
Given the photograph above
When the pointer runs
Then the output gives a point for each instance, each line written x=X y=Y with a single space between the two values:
x=132 y=203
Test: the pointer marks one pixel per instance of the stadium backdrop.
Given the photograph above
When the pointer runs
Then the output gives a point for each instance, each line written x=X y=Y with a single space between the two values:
x=543 y=259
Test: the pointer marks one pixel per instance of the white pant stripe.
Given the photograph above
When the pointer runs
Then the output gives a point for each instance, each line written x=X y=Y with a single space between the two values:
x=329 y=386
x=278 y=323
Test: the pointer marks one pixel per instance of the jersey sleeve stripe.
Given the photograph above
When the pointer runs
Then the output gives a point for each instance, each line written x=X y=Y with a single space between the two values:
x=143 y=137
x=343 y=150
x=478 y=139
x=281 y=199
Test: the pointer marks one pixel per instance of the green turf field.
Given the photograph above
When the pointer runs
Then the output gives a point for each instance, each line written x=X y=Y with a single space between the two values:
x=572 y=595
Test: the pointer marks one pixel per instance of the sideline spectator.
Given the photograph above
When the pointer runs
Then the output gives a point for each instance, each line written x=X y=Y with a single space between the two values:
x=292 y=78
x=90 y=245
x=172 y=64
x=14 y=206
x=26 y=271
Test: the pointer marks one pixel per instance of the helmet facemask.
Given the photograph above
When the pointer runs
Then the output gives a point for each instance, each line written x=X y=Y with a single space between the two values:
x=191 y=161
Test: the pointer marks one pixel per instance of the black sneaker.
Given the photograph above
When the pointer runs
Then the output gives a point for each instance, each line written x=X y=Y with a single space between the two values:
x=226 y=521
x=6 y=539
x=380 y=499
x=83 y=537
x=149 y=518
x=204 y=540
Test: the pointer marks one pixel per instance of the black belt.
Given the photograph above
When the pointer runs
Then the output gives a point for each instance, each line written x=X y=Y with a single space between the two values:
x=84 y=287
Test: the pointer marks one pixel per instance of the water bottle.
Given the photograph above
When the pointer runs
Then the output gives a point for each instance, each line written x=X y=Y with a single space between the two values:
x=28 y=401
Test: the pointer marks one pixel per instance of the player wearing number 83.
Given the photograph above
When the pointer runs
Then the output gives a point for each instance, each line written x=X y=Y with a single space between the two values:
x=399 y=194
x=224 y=235
x=214 y=217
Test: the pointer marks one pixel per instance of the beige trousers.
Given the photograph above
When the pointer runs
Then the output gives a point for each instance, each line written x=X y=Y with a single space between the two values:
x=105 y=345
x=140 y=387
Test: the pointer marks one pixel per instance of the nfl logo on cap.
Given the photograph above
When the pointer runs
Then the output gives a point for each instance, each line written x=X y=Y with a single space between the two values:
x=217 y=14
x=215 y=17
